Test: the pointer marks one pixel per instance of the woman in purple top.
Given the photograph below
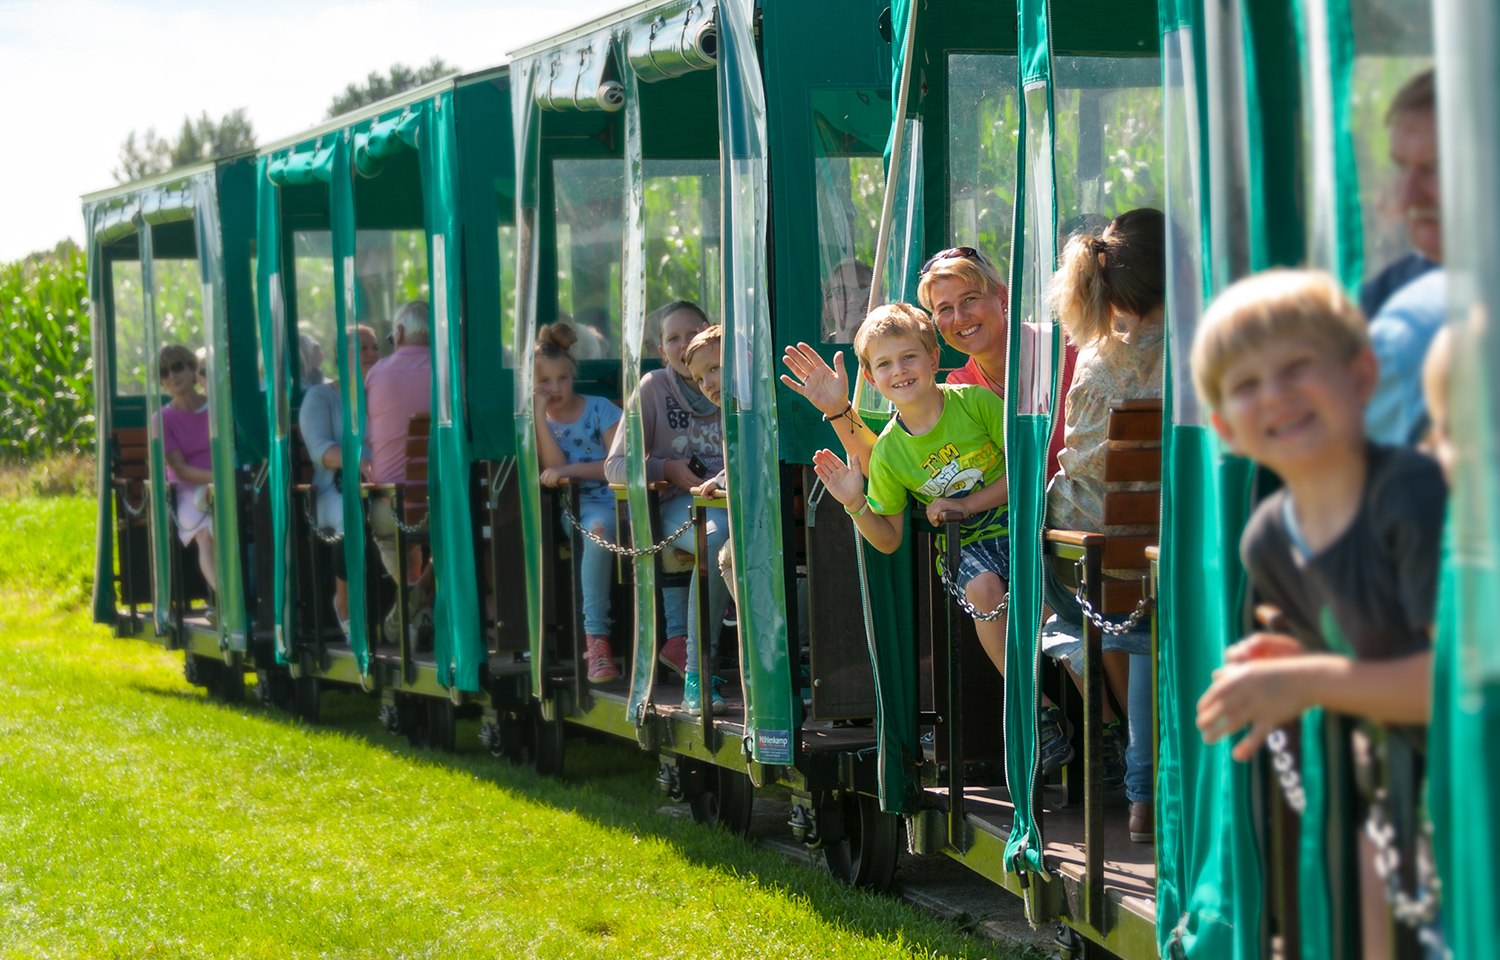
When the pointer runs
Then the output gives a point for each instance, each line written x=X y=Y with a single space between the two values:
x=185 y=445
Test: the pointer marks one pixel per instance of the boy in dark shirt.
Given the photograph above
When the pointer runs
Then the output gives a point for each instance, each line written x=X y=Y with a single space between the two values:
x=1348 y=549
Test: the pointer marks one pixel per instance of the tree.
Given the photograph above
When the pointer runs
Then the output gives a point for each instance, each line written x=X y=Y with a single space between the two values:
x=200 y=139
x=377 y=86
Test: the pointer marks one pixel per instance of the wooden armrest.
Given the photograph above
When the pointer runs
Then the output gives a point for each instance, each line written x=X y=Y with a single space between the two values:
x=618 y=487
x=654 y=487
x=1153 y=554
x=1075 y=538
x=951 y=516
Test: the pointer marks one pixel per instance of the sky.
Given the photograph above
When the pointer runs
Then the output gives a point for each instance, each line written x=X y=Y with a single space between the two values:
x=77 y=76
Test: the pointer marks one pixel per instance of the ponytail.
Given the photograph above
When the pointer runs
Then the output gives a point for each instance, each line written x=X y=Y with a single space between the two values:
x=1121 y=269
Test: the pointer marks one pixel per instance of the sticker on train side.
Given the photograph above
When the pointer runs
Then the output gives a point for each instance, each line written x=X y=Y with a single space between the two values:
x=773 y=746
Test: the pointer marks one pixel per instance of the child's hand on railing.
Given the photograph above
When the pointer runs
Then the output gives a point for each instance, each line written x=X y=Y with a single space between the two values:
x=939 y=510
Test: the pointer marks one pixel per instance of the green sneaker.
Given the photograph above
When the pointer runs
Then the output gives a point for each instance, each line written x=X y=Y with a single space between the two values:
x=692 y=697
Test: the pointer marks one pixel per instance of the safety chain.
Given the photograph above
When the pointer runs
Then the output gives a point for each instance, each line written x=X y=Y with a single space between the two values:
x=1285 y=766
x=133 y=511
x=1415 y=911
x=969 y=608
x=411 y=529
x=259 y=482
x=627 y=552
x=1102 y=623
x=331 y=536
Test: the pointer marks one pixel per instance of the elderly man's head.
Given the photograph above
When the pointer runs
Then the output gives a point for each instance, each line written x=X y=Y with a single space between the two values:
x=409 y=325
x=1412 y=119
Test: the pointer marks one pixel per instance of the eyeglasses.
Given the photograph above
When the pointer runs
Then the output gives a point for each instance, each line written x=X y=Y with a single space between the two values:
x=177 y=366
x=953 y=253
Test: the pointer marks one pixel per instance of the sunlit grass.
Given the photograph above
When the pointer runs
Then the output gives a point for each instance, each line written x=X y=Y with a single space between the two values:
x=138 y=818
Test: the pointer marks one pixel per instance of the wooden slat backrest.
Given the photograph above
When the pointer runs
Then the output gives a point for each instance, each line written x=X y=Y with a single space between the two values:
x=131 y=455
x=418 y=430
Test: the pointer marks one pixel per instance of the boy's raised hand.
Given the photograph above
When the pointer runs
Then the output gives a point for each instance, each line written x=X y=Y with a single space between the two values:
x=825 y=387
x=843 y=480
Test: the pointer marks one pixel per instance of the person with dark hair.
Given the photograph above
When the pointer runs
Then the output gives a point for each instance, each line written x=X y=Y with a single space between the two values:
x=684 y=445
x=322 y=423
x=1109 y=292
x=187 y=448
x=573 y=434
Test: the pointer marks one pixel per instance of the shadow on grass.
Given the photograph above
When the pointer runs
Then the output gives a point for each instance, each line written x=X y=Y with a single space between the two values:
x=610 y=782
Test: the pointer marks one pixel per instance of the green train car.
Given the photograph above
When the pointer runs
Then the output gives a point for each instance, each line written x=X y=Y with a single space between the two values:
x=786 y=167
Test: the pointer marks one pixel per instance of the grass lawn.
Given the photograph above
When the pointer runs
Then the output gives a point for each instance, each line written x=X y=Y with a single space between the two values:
x=139 y=819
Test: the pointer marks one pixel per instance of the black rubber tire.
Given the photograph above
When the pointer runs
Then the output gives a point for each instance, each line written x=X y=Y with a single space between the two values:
x=861 y=843
x=725 y=802
x=307 y=698
x=274 y=687
x=442 y=720
x=548 y=746
x=231 y=686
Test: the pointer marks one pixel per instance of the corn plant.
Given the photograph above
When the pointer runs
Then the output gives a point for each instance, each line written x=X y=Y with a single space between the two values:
x=46 y=363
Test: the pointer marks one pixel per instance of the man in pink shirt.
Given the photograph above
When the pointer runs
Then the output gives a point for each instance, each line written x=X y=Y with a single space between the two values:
x=396 y=388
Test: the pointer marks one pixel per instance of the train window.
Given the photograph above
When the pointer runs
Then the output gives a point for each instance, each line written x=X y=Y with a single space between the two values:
x=508 y=292
x=983 y=119
x=178 y=289
x=1392 y=43
x=312 y=265
x=1108 y=150
x=850 y=129
x=390 y=270
x=682 y=233
x=129 y=328
x=589 y=198
x=1184 y=271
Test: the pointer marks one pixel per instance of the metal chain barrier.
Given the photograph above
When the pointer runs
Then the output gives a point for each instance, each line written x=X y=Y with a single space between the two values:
x=627 y=552
x=1285 y=766
x=963 y=602
x=133 y=511
x=1413 y=910
x=331 y=536
x=1100 y=622
x=411 y=529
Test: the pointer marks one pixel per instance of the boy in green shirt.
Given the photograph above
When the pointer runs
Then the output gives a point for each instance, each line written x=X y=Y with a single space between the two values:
x=946 y=447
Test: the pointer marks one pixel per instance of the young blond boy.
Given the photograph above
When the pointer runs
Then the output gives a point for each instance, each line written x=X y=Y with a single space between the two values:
x=1348 y=549
x=946 y=447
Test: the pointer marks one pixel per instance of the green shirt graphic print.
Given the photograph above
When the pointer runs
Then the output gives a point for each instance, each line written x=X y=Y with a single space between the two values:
x=962 y=453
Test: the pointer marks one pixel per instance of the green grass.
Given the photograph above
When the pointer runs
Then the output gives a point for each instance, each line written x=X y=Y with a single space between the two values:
x=139 y=819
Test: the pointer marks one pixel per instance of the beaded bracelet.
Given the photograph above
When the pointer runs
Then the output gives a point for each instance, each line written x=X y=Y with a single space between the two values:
x=847 y=412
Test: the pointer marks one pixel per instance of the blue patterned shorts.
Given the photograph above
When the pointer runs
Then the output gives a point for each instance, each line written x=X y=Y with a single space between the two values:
x=990 y=555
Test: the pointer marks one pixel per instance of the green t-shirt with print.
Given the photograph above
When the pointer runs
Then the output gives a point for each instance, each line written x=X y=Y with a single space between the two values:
x=963 y=452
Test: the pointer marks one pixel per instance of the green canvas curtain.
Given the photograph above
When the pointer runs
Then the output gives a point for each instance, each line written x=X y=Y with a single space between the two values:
x=1028 y=423
x=1326 y=45
x=885 y=580
x=94 y=218
x=773 y=708
x=1208 y=865
x=459 y=645
x=1464 y=740
x=276 y=360
x=162 y=530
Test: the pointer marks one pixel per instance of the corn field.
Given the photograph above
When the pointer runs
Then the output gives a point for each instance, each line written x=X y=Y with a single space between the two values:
x=46 y=362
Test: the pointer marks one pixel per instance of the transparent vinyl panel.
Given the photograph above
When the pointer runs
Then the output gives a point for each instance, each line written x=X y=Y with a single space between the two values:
x=178 y=289
x=507 y=273
x=1107 y=114
x=129 y=328
x=984 y=121
x=590 y=217
x=1184 y=227
x=849 y=133
x=682 y=200
x=1035 y=379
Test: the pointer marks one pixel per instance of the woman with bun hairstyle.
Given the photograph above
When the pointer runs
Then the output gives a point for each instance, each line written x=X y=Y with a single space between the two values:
x=1109 y=292
x=573 y=435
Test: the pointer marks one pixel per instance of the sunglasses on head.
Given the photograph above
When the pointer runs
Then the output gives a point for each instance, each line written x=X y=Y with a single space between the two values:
x=953 y=253
x=177 y=366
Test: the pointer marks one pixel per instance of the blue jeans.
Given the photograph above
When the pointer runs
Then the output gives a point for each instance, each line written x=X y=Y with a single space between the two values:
x=682 y=604
x=1060 y=597
x=594 y=566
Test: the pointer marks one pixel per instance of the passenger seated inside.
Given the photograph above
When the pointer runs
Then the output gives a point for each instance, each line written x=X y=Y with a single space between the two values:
x=1108 y=292
x=684 y=446
x=573 y=434
x=322 y=423
x=1348 y=549
x=704 y=356
x=186 y=447
x=397 y=388
x=846 y=296
x=310 y=357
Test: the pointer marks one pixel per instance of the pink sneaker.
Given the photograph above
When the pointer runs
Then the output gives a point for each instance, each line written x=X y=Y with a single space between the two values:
x=601 y=660
x=674 y=655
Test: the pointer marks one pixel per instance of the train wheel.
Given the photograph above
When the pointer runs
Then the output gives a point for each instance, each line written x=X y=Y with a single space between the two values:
x=201 y=671
x=231 y=685
x=441 y=720
x=307 y=698
x=860 y=842
x=548 y=746
x=274 y=687
x=725 y=801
